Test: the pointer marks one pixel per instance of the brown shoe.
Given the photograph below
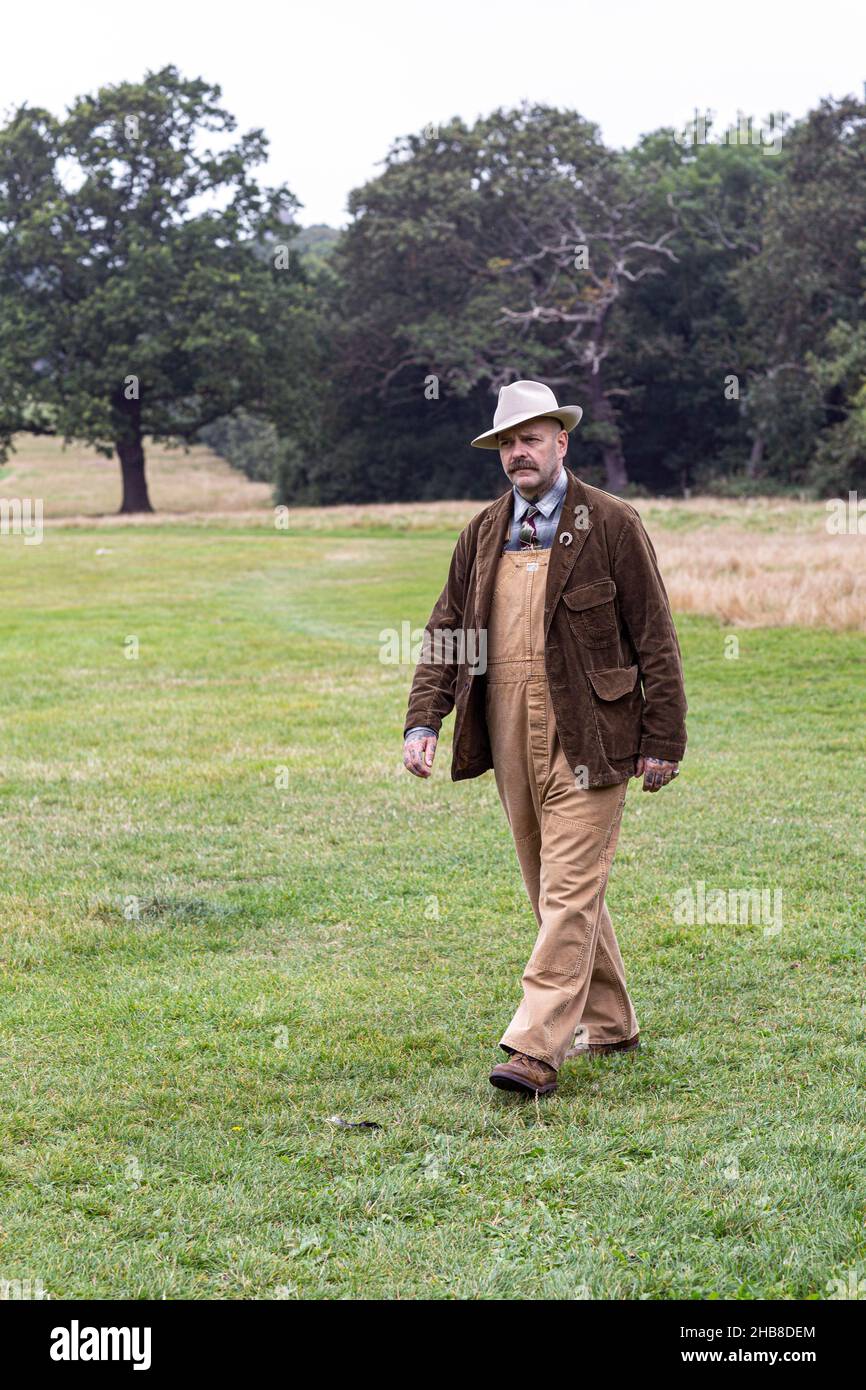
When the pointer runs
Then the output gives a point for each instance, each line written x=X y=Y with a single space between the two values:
x=523 y=1073
x=599 y=1049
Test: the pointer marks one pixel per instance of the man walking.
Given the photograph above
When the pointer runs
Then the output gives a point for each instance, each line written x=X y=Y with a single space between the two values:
x=561 y=616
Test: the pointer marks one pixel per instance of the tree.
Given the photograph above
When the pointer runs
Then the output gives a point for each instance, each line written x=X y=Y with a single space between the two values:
x=134 y=301
x=598 y=231
x=499 y=251
x=840 y=455
x=677 y=355
x=804 y=291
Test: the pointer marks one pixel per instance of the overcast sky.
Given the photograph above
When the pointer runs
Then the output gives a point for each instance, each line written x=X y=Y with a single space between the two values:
x=333 y=83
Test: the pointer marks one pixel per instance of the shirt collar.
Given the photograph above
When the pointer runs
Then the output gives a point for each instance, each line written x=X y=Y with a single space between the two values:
x=548 y=503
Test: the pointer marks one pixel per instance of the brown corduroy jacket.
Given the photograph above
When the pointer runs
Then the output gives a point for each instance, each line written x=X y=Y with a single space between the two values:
x=611 y=653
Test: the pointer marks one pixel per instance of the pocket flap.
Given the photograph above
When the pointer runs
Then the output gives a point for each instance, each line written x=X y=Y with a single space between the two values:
x=588 y=595
x=609 y=685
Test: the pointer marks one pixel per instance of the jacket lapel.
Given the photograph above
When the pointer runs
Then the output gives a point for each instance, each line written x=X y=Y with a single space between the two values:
x=493 y=534
x=574 y=521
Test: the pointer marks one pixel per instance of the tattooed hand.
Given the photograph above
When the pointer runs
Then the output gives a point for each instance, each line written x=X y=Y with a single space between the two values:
x=418 y=754
x=656 y=773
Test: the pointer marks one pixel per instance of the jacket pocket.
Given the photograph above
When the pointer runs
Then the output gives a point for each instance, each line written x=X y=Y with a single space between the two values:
x=618 y=709
x=610 y=685
x=592 y=614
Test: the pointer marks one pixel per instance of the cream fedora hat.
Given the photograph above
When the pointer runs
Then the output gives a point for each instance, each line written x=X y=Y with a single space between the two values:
x=523 y=400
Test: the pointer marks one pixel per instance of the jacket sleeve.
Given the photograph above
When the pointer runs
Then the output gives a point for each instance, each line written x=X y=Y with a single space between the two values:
x=644 y=606
x=431 y=697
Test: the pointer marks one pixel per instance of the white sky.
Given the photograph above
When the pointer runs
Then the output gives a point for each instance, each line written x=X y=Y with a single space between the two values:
x=333 y=83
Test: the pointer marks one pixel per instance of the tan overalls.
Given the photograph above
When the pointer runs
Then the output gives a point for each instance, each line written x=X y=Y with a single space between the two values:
x=565 y=835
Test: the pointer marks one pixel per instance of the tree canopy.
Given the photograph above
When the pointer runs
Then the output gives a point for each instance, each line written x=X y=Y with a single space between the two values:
x=132 y=302
x=703 y=300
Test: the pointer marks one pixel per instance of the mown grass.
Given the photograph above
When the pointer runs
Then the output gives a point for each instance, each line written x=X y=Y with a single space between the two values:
x=229 y=915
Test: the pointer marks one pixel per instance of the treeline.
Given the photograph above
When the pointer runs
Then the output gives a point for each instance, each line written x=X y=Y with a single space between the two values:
x=701 y=295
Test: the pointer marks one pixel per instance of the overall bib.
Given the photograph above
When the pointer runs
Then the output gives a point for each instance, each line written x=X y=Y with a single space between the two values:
x=565 y=835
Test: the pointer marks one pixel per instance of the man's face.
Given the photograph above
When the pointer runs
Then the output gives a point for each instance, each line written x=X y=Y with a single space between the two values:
x=531 y=454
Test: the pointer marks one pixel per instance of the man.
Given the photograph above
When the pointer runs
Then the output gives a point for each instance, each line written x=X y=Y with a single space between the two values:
x=557 y=586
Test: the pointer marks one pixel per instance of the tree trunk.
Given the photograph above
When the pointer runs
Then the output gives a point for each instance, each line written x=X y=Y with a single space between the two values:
x=616 y=476
x=755 y=456
x=614 y=468
x=130 y=451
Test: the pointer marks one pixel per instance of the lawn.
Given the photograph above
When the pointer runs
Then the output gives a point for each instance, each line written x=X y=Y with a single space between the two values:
x=229 y=916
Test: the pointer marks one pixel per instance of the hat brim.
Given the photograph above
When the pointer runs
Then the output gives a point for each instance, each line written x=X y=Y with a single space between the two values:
x=568 y=416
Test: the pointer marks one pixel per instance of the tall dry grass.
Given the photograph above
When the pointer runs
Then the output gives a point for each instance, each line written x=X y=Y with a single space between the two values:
x=747 y=579
x=753 y=563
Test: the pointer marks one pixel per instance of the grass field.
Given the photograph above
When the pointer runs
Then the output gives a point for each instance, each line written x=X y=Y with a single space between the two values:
x=229 y=915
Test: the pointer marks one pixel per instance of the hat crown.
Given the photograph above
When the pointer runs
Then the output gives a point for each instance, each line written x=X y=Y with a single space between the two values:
x=525 y=398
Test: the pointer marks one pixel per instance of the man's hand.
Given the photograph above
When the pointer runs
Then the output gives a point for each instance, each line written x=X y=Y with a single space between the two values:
x=656 y=773
x=418 y=754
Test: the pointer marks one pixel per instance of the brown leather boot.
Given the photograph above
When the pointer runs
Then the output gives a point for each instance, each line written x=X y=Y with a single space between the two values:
x=523 y=1073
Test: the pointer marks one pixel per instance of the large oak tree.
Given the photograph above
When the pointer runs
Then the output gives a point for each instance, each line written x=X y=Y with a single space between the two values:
x=136 y=300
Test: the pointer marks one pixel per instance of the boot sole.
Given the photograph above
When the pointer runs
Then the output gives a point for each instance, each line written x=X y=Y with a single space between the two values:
x=511 y=1083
